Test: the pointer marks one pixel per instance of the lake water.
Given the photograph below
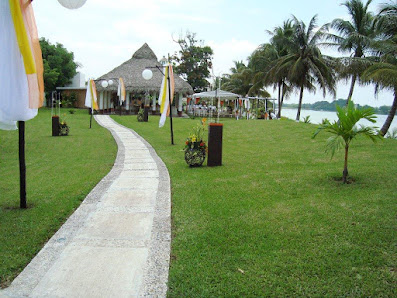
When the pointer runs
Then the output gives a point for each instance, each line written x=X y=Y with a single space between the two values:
x=317 y=116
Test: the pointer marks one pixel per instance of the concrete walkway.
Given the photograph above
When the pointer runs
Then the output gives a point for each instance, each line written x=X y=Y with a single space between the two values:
x=117 y=243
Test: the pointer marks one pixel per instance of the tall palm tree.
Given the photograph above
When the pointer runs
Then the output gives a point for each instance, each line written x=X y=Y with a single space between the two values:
x=271 y=52
x=354 y=37
x=261 y=61
x=384 y=73
x=345 y=130
x=304 y=65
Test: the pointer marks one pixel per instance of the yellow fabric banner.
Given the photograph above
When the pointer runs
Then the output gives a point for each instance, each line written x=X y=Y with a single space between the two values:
x=94 y=104
x=22 y=37
x=164 y=90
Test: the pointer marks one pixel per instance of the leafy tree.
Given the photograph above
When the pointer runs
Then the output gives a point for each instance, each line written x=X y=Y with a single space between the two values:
x=193 y=62
x=344 y=131
x=384 y=73
x=59 y=65
x=304 y=65
x=355 y=38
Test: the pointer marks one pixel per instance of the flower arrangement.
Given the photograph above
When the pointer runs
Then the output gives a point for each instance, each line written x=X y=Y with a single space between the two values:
x=140 y=115
x=63 y=126
x=195 y=146
x=195 y=139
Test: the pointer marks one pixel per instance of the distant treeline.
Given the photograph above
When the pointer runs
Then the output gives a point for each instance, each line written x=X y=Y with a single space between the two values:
x=331 y=106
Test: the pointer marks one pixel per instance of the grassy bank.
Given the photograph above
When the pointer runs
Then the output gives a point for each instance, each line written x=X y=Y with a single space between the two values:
x=61 y=171
x=274 y=220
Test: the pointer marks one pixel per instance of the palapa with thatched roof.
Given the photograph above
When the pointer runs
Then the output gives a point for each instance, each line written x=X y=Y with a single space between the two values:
x=131 y=72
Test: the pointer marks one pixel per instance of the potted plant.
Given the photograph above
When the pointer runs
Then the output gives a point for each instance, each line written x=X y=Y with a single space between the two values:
x=195 y=148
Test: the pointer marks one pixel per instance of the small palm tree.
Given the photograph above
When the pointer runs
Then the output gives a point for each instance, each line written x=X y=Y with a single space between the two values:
x=345 y=130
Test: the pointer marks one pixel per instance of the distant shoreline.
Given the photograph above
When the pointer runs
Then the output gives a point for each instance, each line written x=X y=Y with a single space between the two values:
x=325 y=106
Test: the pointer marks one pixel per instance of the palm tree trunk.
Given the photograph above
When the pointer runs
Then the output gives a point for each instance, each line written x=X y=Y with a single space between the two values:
x=300 y=104
x=345 y=171
x=279 y=99
x=349 y=97
x=281 y=102
x=390 y=117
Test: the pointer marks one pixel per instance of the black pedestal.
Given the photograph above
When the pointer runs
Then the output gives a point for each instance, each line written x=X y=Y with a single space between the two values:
x=146 y=114
x=55 y=126
x=215 y=132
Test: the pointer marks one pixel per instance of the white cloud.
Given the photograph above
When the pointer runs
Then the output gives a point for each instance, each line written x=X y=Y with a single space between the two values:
x=225 y=52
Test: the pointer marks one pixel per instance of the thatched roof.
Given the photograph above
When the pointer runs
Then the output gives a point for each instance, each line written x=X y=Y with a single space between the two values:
x=131 y=72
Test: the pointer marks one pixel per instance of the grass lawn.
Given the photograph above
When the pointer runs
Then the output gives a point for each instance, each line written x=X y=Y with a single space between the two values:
x=274 y=220
x=61 y=171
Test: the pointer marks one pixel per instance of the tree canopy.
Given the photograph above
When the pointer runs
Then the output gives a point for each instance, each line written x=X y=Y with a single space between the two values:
x=193 y=61
x=355 y=37
x=304 y=65
x=59 y=65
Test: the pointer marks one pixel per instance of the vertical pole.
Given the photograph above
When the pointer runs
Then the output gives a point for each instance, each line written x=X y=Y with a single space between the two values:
x=169 y=101
x=22 y=164
x=92 y=112
x=59 y=104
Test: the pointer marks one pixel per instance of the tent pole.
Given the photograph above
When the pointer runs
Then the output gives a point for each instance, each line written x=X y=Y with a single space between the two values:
x=22 y=165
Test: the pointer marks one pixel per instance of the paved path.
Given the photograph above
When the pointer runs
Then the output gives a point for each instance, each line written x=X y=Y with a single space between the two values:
x=117 y=243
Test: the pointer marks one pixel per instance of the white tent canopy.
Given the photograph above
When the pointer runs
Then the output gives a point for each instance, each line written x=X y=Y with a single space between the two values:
x=216 y=93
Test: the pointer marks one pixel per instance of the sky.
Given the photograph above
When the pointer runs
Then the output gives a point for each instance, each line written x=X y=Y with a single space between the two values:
x=103 y=34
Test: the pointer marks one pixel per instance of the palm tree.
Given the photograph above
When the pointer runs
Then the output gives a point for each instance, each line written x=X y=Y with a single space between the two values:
x=260 y=61
x=354 y=37
x=238 y=65
x=241 y=81
x=386 y=21
x=345 y=130
x=384 y=73
x=271 y=52
x=304 y=65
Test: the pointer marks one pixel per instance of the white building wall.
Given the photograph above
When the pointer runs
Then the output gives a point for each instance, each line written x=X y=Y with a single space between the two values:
x=78 y=81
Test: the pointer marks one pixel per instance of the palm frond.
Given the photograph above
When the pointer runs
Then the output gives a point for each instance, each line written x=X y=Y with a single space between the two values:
x=333 y=144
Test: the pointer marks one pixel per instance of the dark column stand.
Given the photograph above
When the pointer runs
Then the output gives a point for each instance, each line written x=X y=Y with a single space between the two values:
x=55 y=126
x=146 y=114
x=215 y=132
